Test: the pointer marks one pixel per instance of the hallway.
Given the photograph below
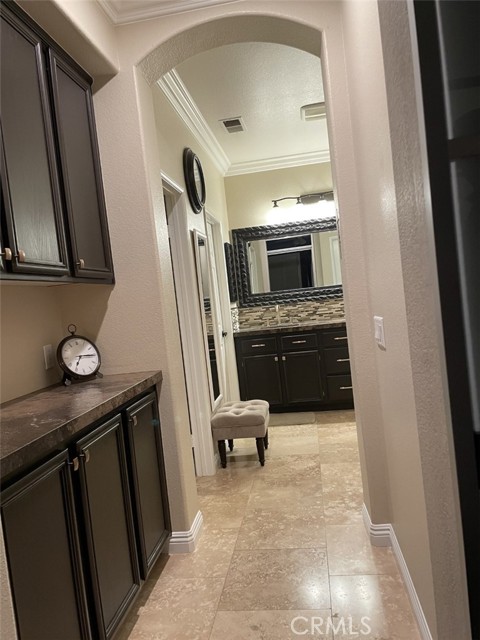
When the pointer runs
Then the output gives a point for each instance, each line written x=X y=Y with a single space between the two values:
x=283 y=552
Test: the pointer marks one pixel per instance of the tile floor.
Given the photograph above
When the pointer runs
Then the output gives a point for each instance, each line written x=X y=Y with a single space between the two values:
x=283 y=553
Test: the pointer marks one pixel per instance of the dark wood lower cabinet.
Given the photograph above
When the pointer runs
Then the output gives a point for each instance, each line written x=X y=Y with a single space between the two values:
x=41 y=539
x=148 y=480
x=83 y=529
x=296 y=371
x=112 y=556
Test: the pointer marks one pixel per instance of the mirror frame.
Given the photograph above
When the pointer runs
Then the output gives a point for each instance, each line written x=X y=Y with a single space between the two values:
x=241 y=237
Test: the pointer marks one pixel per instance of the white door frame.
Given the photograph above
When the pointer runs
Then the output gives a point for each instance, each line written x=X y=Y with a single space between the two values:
x=190 y=330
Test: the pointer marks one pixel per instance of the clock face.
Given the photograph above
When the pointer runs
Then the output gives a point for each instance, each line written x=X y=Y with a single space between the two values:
x=80 y=356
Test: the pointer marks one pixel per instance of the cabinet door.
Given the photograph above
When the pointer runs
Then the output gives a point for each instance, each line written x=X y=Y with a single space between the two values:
x=149 y=485
x=109 y=524
x=31 y=192
x=43 y=555
x=302 y=375
x=261 y=379
x=81 y=172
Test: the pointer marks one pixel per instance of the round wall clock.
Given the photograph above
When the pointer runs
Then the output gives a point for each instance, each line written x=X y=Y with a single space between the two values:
x=194 y=180
x=78 y=357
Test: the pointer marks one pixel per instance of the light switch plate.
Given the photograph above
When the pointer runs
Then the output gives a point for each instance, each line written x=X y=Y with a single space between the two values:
x=379 y=331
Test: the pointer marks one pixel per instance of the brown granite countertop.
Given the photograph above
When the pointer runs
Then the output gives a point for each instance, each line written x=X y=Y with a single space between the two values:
x=335 y=323
x=40 y=423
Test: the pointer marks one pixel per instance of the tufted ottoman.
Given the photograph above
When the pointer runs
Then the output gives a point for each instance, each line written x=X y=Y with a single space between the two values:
x=243 y=419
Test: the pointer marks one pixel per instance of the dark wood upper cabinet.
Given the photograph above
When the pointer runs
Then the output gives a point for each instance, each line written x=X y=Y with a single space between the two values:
x=54 y=220
x=80 y=166
x=32 y=199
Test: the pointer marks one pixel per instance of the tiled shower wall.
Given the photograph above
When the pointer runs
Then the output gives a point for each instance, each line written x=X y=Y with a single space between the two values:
x=294 y=313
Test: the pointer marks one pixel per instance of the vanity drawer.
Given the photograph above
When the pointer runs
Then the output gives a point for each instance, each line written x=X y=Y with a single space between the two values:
x=258 y=346
x=339 y=388
x=335 y=338
x=337 y=360
x=300 y=341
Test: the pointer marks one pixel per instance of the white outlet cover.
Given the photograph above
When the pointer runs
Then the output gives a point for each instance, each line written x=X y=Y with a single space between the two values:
x=379 y=331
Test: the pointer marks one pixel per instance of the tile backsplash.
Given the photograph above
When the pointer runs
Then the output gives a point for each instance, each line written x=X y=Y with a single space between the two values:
x=296 y=312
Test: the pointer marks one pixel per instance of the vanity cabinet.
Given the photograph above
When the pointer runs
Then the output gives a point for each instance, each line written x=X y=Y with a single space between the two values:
x=294 y=370
x=54 y=222
x=84 y=528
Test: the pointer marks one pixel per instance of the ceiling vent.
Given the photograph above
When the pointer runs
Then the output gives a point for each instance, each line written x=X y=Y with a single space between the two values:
x=233 y=125
x=315 y=111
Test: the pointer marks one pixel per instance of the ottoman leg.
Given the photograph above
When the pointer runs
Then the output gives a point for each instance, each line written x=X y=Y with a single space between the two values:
x=265 y=440
x=261 y=451
x=230 y=445
x=223 y=453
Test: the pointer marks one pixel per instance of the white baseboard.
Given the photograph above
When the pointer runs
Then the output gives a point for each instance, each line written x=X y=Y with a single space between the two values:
x=186 y=541
x=383 y=535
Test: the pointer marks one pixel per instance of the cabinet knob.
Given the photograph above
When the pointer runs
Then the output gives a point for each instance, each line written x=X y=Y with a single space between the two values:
x=284 y=358
x=276 y=358
x=20 y=256
x=7 y=253
x=81 y=263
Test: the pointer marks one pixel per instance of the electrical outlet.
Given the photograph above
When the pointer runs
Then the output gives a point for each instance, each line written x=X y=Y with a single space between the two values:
x=379 y=331
x=48 y=356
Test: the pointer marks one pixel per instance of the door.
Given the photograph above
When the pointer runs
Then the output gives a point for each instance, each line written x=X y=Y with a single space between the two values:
x=302 y=377
x=43 y=554
x=447 y=34
x=149 y=484
x=31 y=192
x=109 y=526
x=81 y=172
x=261 y=379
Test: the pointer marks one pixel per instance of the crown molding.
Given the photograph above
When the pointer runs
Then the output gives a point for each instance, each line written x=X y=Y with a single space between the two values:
x=280 y=162
x=165 y=8
x=183 y=103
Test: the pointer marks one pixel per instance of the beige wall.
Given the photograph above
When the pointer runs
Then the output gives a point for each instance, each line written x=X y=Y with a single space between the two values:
x=136 y=326
x=249 y=196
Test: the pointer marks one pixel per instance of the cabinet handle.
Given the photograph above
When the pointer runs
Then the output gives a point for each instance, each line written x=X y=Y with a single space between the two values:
x=134 y=420
x=75 y=464
x=255 y=346
x=283 y=358
x=298 y=341
x=86 y=455
x=343 y=359
x=341 y=338
x=7 y=254
x=20 y=256
x=276 y=358
x=81 y=263
x=344 y=388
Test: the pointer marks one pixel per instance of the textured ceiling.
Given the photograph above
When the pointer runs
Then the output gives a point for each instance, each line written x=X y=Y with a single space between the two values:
x=266 y=84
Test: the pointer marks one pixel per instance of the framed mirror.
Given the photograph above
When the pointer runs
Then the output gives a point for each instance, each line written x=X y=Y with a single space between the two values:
x=288 y=262
x=203 y=283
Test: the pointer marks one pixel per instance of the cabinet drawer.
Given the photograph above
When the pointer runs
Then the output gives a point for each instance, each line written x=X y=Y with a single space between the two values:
x=337 y=360
x=258 y=346
x=339 y=387
x=300 y=341
x=335 y=338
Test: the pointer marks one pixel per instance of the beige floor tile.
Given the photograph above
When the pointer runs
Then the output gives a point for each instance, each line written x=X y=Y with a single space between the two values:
x=349 y=552
x=184 y=593
x=174 y=624
x=224 y=511
x=210 y=559
x=296 y=440
x=381 y=600
x=342 y=493
x=286 y=496
x=225 y=480
x=277 y=579
x=269 y=529
x=293 y=468
x=334 y=417
x=269 y=625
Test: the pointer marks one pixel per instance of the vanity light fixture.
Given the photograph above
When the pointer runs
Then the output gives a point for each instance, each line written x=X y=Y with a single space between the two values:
x=308 y=198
